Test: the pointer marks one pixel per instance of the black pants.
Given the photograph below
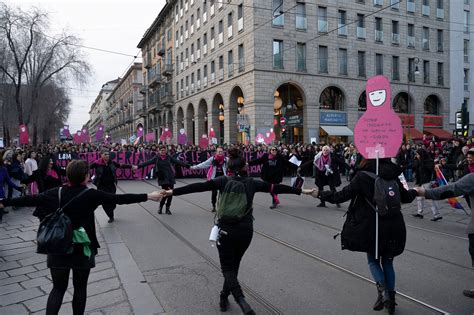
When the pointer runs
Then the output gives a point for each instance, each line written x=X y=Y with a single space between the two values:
x=60 y=282
x=471 y=247
x=231 y=249
x=110 y=207
x=214 y=196
x=166 y=199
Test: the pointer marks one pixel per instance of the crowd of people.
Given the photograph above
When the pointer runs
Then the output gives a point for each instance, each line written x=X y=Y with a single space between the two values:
x=34 y=173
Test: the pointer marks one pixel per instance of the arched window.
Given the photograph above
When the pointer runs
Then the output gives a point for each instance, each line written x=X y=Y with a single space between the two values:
x=432 y=105
x=332 y=98
x=400 y=103
x=362 y=102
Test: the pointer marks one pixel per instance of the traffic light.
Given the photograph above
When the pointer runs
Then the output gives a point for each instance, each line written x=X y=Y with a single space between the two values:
x=465 y=120
x=459 y=121
x=283 y=133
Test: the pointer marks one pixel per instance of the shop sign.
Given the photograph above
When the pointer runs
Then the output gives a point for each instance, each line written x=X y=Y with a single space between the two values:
x=332 y=118
x=407 y=120
x=294 y=120
x=432 y=121
x=242 y=123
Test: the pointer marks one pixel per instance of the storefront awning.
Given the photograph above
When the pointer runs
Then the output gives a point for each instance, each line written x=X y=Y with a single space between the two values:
x=439 y=133
x=337 y=130
x=412 y=133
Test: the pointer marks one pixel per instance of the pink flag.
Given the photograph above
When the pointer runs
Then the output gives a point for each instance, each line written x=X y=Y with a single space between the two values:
x=23 y=134
x=140 y=132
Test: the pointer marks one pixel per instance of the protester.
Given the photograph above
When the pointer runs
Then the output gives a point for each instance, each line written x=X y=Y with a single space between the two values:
x=236 y=235
x=464 y=186
x=217 y=165
x=273 y=165
x=392 y=230
x=31 y=168
x=327 y=171
x=81 y=213
x=15 y=170
x=166 y=180
x=424 y=168
x=105 y=178
x=5 y=180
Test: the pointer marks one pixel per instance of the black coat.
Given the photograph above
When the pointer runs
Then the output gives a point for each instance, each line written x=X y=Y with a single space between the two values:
x=392 y=230
x=321 y=179
x=99 y=171
x=423 y=167
x=81 y=210
x=164 y=171
x=273 y=170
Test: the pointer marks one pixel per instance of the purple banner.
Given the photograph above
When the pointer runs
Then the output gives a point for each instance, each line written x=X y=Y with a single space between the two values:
x=135 y=158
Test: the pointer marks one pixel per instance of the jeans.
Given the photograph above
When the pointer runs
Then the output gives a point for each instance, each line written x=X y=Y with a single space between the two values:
x=109 y=207
x=408 y=174
x=382 y=273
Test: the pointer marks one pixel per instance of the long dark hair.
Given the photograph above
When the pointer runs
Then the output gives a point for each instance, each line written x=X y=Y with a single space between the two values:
x=43 y=165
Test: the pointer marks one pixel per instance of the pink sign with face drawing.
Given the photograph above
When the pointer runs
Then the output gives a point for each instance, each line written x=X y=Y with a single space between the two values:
x=379 y=130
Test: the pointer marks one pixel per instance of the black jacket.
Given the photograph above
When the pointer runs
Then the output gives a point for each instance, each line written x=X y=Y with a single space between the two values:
x=272 y=170
x=81 y=210
x=163 y=168
x=99 y=171
x=321 y=179
x=392 y=230
x=423 y=167
x=46 y=182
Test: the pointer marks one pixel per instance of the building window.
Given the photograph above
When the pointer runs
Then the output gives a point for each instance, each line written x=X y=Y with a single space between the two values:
x=425 y=8
x=395 y=4
x=378 y=64
x=466 y=21
x=440 y=73
x=241 y=58
x=411 y=6
x=360 y=30
x=278 y=16
x=425 y=40
x=440 y=10
x=378 y=3
x=322 y=20
x=361 y=64
x=278 y=54
x=323 y=59
x=301 y=57
x=411 y=69
x=466 y=51
x=342 y=25
x=230 y=63
x=440 y=41
x=230 y=29
x=342 y=61
x=221 y=32
x=411 y=36
x=395 y=68
x=378 y=30
x=240 y=17
x=395 y=33
x=213 y=71
x=466 y=79
x=426 y=71
x=300 y=16
x=221 y=68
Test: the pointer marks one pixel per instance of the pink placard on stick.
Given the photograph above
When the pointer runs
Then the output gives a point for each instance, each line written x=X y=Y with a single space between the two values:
x=379 y=129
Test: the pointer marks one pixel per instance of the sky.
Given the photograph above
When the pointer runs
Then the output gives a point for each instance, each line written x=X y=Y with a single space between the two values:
x=114 y=25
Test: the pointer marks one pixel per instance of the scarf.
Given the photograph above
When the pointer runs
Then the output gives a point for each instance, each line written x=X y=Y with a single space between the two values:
x=271 y=156
x=471 y=168
x=320 y=160
x=52 y=173
x=163 y=157
x=219 y=158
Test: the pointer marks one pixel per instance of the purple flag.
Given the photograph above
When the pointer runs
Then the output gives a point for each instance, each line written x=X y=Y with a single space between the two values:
x=66 y=132
x=140 y=132
x=99 y=135
x=85 y=136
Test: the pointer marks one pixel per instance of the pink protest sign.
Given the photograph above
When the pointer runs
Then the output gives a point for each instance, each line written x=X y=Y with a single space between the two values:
x=204 y=141
x=182 y=137
x=379 y=129
x=166 y=136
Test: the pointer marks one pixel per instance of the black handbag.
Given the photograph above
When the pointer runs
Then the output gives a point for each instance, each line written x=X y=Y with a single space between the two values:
x=55 y=231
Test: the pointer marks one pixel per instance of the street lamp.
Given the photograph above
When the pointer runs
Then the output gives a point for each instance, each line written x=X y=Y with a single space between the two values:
x=411 y=76
x=221 y=123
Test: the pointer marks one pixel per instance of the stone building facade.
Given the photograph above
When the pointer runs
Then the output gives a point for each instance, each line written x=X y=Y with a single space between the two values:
x=296 y=71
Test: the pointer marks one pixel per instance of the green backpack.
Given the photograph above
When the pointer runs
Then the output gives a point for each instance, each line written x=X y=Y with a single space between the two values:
x=232 y=204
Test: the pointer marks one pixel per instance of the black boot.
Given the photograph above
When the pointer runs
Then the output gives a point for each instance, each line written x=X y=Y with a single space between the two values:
x=378 y=306
x=321 y=204
x=213 y=207
x=224 y=301
x=244 y=306
x=389 y=304
x=168 y=210
x=160 y=210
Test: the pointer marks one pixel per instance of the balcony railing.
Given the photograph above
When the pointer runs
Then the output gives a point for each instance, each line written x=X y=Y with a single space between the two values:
x=411 y=41
x=440 y=13
x=167 y=69
x=361 y=32
x=378 y=36
x=395 y=38
x=342 y=29
x=220 y=38
x=425 y=10
x=229 y=31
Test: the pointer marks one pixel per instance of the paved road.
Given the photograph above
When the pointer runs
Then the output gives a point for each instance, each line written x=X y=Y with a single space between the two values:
x=159 y=264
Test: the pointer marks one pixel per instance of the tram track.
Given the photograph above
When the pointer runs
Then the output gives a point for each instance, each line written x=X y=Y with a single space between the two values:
x=268 y=305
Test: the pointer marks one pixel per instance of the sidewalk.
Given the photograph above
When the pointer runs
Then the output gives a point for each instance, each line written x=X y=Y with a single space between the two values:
x=25 y=281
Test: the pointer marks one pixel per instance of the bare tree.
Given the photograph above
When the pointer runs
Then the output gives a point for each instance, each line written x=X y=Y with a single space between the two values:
x=32 y=60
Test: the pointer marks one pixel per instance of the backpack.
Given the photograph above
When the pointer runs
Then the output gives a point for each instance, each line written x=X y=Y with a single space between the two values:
x=356 y=234
x=387 y=198
x=55 y=233
x=232 y=203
